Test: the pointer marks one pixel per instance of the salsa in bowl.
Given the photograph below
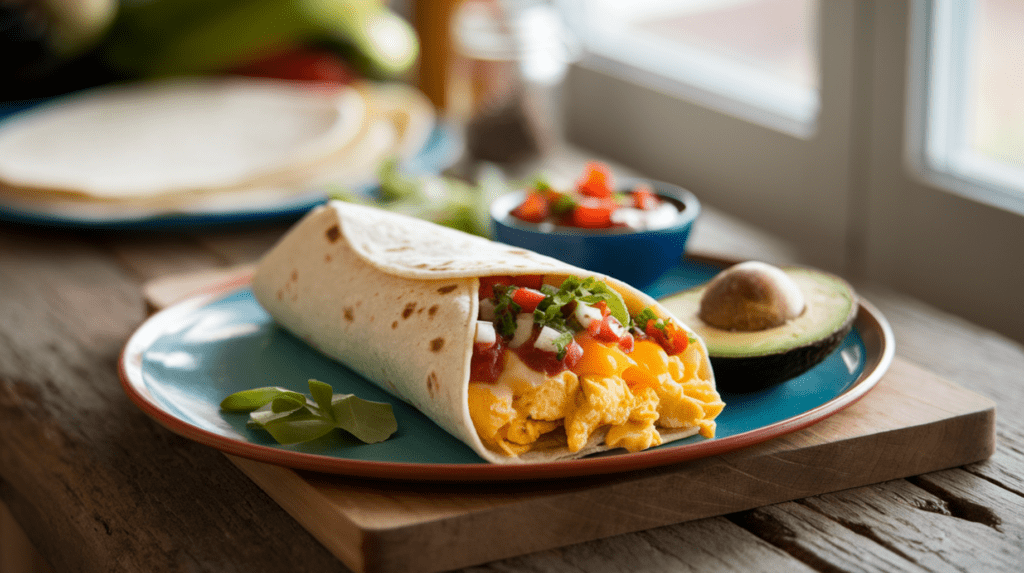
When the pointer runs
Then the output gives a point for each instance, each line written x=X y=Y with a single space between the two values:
x=634 y=230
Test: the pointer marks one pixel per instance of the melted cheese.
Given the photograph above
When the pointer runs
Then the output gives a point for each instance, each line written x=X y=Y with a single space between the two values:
x=632 y=399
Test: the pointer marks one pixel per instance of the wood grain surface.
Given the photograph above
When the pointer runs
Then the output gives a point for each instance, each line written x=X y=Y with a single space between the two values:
x=96 y=486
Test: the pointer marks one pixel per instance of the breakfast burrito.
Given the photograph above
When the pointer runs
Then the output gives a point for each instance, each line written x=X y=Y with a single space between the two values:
x=521 y=356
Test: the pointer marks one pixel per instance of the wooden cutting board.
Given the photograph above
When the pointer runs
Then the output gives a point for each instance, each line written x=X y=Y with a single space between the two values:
x=912 y=422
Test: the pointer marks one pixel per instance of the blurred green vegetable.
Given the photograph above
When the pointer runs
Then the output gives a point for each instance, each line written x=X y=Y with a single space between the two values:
x=437 y=198
x=166 y=37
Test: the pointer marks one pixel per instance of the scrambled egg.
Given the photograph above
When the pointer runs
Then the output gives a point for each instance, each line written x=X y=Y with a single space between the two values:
x=525 y=409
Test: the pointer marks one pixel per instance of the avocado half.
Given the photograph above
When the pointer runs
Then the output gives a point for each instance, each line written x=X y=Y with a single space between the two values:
x=747 y=361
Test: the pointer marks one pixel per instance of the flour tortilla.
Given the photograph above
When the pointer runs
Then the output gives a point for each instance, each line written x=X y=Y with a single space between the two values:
x=204 y=145
x=180 y=134
x=395 y=299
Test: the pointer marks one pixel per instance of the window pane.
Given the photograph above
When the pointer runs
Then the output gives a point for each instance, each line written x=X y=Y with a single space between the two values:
x=971 y=124
x=997 y=126
x=756 y=53
x=775 y=36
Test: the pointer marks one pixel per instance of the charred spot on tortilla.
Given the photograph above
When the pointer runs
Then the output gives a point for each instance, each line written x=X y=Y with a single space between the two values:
x=394 y=325
x=436 y=344
x=447 y=289
x=432 y=311
x=295 y=275
x=333 y=234
x=328 y=258
x=432 y=383
x=409 y=308
x=349 y=314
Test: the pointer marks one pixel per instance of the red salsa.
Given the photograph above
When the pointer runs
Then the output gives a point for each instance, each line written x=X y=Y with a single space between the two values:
x=594 y=204
x=509 y=305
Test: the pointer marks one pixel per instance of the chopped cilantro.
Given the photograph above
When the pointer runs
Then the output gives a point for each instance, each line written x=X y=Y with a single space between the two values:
x=551 y=311
x=562 y=204
x=646 y=315
x=505 y=310
x=562 y=344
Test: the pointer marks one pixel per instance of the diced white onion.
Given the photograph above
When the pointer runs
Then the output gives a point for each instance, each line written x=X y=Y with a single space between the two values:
x=629 y=216
x=486 y=311
x=586 y=314
x=524 y=329
x=485 y=333
x=616 y=327
x=662 y=216
x=546 y=339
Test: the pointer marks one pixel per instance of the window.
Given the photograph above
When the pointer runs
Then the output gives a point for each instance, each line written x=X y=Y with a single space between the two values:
x=756 y=59
x=937 y=82
x=967 y=124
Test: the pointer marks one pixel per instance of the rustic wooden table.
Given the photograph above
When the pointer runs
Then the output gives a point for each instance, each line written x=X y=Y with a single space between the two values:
x=94 y=485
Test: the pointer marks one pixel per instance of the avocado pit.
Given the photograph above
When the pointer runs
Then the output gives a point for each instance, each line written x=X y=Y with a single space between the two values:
x=751 y=296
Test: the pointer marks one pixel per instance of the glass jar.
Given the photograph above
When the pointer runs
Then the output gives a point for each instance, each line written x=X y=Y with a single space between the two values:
x=510 y=57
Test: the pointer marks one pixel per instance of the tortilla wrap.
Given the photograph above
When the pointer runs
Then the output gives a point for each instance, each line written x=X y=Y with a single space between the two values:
x=204 y=145
x=396 y=299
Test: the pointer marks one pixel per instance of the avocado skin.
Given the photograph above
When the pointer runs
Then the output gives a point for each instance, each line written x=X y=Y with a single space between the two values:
x=754 y=373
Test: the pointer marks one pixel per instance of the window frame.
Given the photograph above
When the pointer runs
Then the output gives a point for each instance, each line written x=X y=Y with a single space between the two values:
x=937 y=152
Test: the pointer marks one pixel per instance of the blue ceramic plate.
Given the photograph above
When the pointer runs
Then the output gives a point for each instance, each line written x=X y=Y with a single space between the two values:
x=184 y=360
x=440 y=151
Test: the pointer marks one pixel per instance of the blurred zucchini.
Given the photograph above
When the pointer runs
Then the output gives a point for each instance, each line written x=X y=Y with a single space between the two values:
x=166 y=37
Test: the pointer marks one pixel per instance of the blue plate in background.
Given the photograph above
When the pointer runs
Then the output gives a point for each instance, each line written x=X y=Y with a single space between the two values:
x=184 y=360
x=441 y=150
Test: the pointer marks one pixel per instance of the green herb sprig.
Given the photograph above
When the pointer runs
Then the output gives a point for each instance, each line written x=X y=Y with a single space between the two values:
x=590 y=291
x=291 y=417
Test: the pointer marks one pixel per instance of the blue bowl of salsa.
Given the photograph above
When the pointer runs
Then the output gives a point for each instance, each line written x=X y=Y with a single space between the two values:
x=633 y=254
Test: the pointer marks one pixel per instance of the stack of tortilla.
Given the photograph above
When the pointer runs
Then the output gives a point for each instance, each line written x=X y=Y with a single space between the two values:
x=203 y=145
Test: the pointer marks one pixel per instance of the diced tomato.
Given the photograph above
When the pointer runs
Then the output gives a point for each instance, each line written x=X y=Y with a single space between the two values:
x=673 y=339
x=596 y=180
x=627 y=343
x=593 y=213
x=487 y=285
x=486 y=364
x=528 y=281
x=527 y=298
x=644 y=197
x=533 y=209
x=606 y=330
x=573 y=354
